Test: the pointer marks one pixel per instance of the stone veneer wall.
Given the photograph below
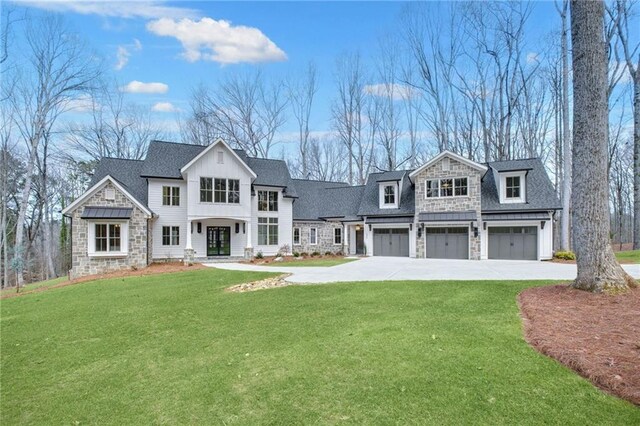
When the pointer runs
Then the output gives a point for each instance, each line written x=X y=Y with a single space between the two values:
x=325 y=237
x=471 y=202
x=137 y=257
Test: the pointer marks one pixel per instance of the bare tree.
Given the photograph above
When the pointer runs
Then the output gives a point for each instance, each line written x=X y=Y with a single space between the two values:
x=598 y=269
x=58 y=68
x=301 y=93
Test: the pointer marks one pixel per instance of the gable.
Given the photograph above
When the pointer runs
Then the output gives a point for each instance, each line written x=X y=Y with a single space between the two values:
x=218 y=155
x=106 y=193
x=448 y=157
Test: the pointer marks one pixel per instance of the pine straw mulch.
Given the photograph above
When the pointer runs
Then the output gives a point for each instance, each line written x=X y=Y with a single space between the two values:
x=596 y=335
x=153 y=269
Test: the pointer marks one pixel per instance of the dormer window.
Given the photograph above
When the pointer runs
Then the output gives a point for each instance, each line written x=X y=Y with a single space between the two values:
x=389 y=194
x=512 y=187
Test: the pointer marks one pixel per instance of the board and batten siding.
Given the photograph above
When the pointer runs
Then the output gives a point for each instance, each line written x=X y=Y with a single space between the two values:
x=231 y=168
x=167 y=216
x=285 y=221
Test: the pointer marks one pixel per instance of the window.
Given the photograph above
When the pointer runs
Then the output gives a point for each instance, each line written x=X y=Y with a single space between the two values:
x=513 y=187
x=206 y=190
x=458 y=187
x=109 y=194
x=220 y=190
x=296 y=235
x=170 y=235
x=268 y=231
x=337 y=236
x=170 y=195
x=313 y=236
x=268 y=201
x=234 y=191
x=220 y=157
x=389 y=194
x=108 y=238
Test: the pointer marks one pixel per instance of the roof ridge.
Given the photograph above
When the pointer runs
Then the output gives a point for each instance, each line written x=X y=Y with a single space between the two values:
x=121 y=159
x=515 y=159
x=179 y=143
x=320 y=181
x=347 y=186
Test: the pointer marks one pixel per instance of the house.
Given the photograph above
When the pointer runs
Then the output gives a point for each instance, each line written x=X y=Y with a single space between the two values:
x=193 y=202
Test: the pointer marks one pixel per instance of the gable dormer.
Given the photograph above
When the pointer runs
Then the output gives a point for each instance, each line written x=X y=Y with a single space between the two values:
x=389 y=194
x=512 y=186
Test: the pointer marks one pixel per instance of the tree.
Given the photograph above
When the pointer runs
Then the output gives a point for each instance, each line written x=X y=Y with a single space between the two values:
x=598 y=269
x=301 y=93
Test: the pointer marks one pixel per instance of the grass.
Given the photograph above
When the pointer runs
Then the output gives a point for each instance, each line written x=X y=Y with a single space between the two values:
x=176 y=348
x=334 y=261
x=35 y=285
x=629 y=256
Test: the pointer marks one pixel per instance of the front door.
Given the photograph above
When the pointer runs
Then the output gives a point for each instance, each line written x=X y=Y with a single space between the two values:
x=218 y=241
x=359 y=241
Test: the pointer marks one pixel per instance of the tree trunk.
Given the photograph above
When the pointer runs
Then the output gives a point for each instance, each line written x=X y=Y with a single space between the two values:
x=636 y=158
x=565 y=243
x=598 y=269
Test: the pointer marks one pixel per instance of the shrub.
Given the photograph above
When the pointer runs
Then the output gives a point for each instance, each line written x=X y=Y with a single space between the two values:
x=284 y=250
x=339 y=253
x=565 y=255
x=296 y=254
x=328 y=253
x=259 y=255
x=315 y=253
x=304 y=254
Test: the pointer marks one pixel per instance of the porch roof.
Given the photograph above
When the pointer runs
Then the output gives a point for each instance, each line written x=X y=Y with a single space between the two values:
x=461 y=216
x=106 y=213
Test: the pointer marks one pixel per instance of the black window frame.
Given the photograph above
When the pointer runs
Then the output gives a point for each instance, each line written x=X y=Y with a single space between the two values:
x=267 y=200
x=206 y=190
x=170 y=236
x=389 y=196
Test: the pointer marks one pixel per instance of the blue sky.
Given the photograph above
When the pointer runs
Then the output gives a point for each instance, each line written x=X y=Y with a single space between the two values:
x=280 y=38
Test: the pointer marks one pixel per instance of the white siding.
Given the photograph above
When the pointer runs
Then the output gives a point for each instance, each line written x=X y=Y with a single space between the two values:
x=285 y=222
x=199 y=240
x=231 y=168
x=167 y=216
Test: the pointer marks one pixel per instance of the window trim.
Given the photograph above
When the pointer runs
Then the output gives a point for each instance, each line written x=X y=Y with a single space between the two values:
x=124 y=238
x=523 y=187
x=334 y=236
x=170 y=236
x=316 y=236
x=269 y=222
x=227 y=191
x=293 y=236
x=453 y=187
x=392 y=194
x=268 y=200
x=172 y=195
x=206 y=190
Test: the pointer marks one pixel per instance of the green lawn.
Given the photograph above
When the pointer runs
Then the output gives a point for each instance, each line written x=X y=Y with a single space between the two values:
x=35 y=285
x=630 y=256
x=176 y=348
x=314 y=262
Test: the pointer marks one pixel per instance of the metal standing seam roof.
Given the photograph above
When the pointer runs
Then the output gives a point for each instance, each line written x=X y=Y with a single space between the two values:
x=517 y=216
x=464 y=216
x=402 y=219
x=106 y=212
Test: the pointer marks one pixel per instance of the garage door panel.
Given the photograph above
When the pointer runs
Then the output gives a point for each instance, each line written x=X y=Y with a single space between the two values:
x=447 y=243
x=513 y=242
x=391 y=242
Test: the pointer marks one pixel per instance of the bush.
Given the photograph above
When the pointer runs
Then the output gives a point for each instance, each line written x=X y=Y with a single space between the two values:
x=259 y=255
x=296 y=254
x=328 y=253
x=315 y=253
x=304 y=254
x=284 y=250
x=565 y=255
x=339 y=253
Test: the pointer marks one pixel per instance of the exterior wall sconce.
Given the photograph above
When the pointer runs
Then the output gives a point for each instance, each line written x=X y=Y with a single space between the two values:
x=411 y=227
x=199 y=227
x=358 y=227
x=542 y=224
x=237 y=228
x=475 y=231
x=370 y=227
x=484 y=225
x=244 y=227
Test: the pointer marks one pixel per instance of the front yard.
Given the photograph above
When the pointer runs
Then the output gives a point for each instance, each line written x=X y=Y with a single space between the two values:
x=177 y=348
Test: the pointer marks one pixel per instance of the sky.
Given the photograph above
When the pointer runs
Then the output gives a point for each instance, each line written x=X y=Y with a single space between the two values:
x=160 y=50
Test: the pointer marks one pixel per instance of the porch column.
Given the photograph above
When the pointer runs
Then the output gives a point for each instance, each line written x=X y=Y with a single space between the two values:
x=189 y=254
x=248 y=250
x=345 y=239
x=189 y=225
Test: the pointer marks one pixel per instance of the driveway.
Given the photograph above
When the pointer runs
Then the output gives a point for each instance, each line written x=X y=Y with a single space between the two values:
x=404 y=268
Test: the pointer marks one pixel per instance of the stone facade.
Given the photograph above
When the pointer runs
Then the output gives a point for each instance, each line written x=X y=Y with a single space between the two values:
x=446 y=204
x=325 y=237
x=138 y=255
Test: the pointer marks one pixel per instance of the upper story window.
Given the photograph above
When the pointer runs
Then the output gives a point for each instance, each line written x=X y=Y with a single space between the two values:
x=170 y=195
x=219 y=190
x=220 y=157
x=268 y=201
x=512 y=187
x=389 y=194
x=450 y=187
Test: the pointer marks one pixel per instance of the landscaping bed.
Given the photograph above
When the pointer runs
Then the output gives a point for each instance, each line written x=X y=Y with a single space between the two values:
x=301 y=260
x=596 y=335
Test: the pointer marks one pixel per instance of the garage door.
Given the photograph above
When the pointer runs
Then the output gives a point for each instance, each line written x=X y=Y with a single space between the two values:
x=391 y=242
x=447 y=243
x=513 y=242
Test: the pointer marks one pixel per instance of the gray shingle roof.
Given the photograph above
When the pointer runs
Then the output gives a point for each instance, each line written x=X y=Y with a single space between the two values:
x=540 y=194
x=271 y=173
x=370 y=206
x=316 y=198
x=165 y=159
x=463 y=216
x=126 y=173
x=106 y=213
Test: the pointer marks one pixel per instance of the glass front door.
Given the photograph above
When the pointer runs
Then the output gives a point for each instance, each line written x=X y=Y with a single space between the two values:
x=218 y=241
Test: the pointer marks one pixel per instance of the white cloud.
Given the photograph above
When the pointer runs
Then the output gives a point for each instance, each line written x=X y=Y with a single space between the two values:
x=124 y=53
x=164 y=107
x=112 y=9
x=394 y=91
x=533 y=58
x=81 y=104
x=218 y=41
x=147 y=88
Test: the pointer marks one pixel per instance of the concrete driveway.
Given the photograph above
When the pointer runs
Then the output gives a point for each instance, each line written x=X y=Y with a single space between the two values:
x=403 y=268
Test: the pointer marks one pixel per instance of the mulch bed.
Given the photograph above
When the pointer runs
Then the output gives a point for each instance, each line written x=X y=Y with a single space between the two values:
x=153 y=269
x=287 y=259
x=596 y=335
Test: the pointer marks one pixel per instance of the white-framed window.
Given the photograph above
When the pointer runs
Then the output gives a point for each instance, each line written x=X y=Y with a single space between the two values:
x=389 y=194
x=171 y=235
x=296 y=236
x=268 y=231
x=170 y=195
x=337 y=236
x=313 y=236
x=108 y=238
x=512 y=187
x=268 y=201
x=220 y=157
x=448 y=187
